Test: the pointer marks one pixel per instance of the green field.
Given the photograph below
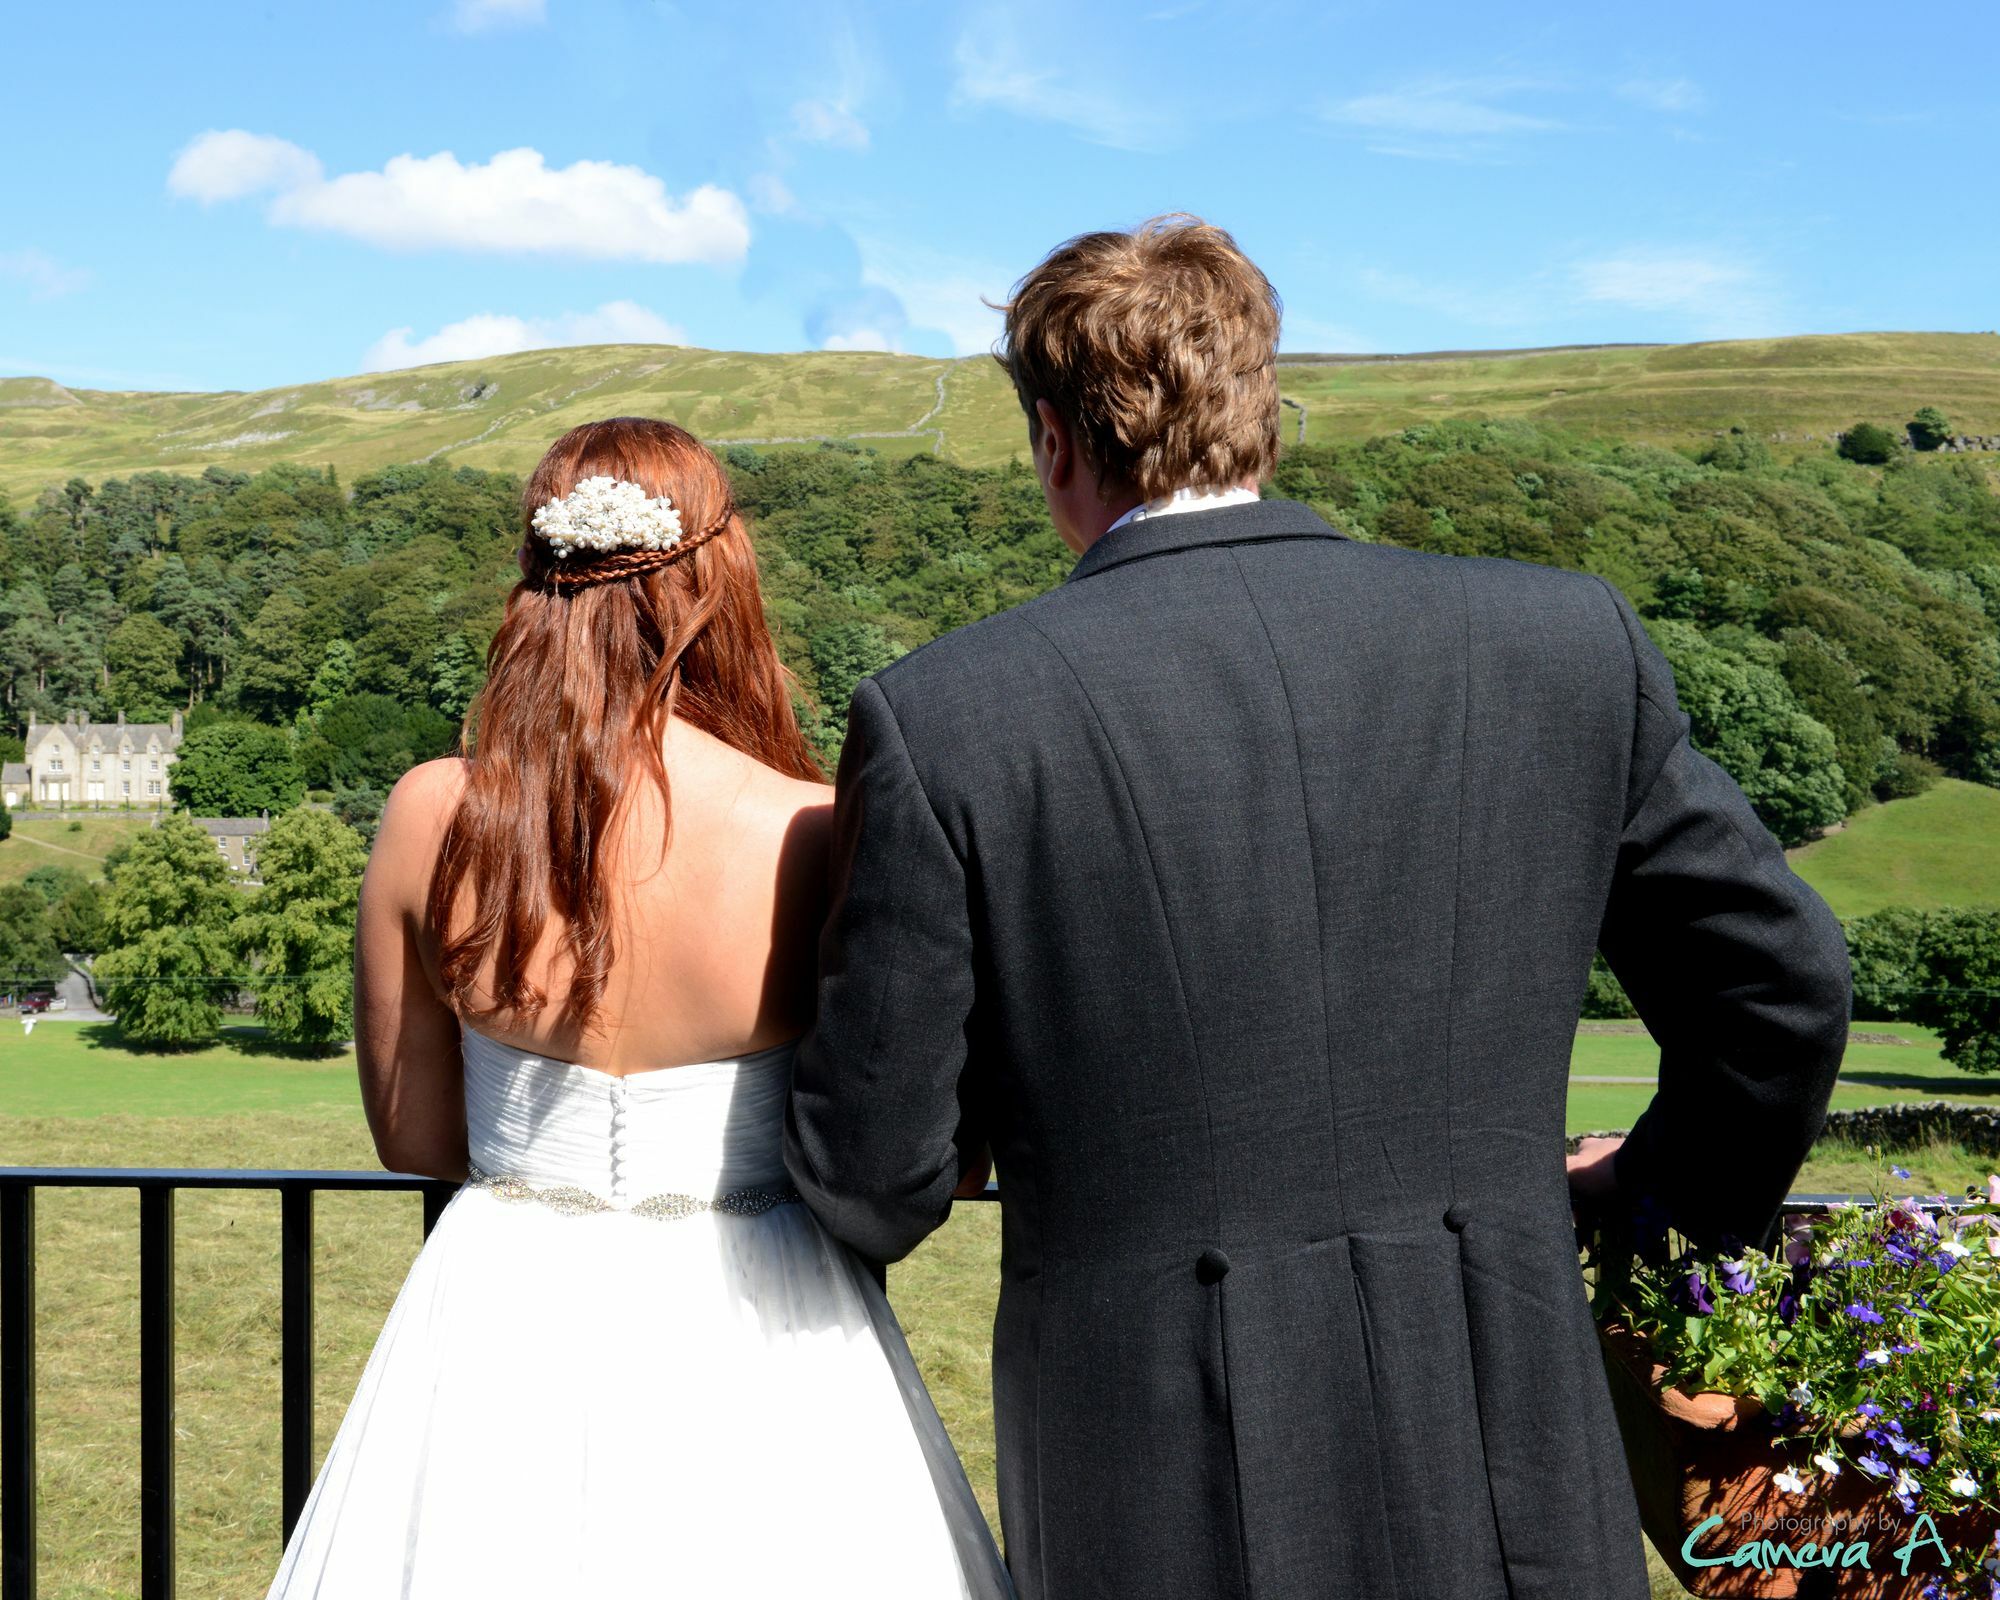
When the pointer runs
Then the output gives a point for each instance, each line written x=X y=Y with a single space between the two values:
x=80 y=839
x=1939 y=849
x=503 y=411
x=69 y=1095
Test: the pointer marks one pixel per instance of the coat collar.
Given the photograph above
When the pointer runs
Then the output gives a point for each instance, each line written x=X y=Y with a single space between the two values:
x=1188 y=530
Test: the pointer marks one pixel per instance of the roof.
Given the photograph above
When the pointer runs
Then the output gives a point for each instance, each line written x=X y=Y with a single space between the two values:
x=14 y=772
x=110 y=732
x=233 y=827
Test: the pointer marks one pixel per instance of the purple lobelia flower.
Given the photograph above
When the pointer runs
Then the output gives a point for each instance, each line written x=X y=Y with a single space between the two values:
x=1873 y=1464
x=1788 y=1308
x=1862 y=1311
x=1868 y=1408
x=1738 y=1277
x=1694 y=1293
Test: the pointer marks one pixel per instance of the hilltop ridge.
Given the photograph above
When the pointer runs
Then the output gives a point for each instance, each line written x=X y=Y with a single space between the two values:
x=501 y=411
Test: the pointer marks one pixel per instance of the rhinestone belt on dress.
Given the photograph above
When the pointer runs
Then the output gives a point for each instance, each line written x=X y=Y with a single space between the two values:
x=572 y=1201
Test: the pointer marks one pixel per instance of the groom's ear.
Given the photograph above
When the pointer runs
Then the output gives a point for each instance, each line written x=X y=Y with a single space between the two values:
x=1055 y=442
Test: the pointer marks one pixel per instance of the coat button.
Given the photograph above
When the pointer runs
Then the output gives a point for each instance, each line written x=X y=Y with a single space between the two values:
x=1211 y=1266
x=1456 y=1217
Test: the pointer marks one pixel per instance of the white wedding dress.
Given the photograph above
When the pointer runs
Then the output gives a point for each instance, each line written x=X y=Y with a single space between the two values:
x=629 y=1362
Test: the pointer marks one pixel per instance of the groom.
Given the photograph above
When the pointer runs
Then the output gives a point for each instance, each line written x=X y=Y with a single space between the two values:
x=1241 y=894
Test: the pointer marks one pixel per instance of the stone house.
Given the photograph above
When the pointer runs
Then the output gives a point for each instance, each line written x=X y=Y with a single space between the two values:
x=237 y=839
x=78 y=763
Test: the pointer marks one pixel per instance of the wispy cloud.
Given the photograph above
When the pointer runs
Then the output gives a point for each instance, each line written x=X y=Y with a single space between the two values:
x=1451 y=107
x=46 y=277
x=488 y=334
x=1717 y=295
x=994 y=70
x=512 y=204
x=482 y=16
x=829 y=122
x=939 y=291
x=1664 y=94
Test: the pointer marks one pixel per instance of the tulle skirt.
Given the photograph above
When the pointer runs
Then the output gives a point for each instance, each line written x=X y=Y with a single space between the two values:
x=607 y=1404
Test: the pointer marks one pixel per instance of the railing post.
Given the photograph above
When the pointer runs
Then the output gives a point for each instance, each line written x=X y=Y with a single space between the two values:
x=296 y=1338
x=17 y=1391
x=436 y=1197
x=156 y=1391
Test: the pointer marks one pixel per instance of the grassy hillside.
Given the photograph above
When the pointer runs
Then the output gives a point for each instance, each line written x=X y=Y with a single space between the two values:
x=501 y=412
x=1940 y=849
x=1666 y=393
x=49 y=839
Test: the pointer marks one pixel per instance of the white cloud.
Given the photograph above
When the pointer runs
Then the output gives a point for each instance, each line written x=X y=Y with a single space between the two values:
x=994 y=69
x=1451 y=108
x=230 y=165
x=1664 y=94
x=515 y=203
x=770 y=194
x=829 y=122
x=478 y=16
x=1648 y=280
x=46 y=277
x=939 y=292
x=859 y=339
x=488 y=334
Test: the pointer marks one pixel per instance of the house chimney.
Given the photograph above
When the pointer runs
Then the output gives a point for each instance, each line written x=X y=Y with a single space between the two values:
x=121 y=718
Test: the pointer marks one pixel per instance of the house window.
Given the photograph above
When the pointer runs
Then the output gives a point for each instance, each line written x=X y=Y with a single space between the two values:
x=153 y=765
x=55 y=763
x=153 y=789
x=128 y=788
x=125 y=766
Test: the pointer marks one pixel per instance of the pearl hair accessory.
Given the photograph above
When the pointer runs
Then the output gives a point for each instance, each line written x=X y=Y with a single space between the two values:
x=602 y=514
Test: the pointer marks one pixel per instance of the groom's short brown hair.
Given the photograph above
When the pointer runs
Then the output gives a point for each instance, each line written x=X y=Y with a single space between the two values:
x=1159 y=347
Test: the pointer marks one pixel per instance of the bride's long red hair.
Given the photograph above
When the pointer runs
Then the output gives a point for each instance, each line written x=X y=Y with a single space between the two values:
x=581 y=679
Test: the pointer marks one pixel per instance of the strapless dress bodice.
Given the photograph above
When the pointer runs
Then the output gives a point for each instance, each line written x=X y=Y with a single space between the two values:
x=706 y=1130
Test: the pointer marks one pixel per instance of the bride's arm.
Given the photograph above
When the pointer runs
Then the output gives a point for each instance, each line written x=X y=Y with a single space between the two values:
x=406 y=1038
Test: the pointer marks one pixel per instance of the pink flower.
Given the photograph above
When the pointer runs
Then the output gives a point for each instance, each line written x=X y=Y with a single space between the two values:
x=1993 y=1188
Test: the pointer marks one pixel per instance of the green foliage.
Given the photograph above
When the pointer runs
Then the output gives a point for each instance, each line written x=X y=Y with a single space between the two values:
x=143 y=658
x=30 y=956
x=1745 y=719
x=297 y=933
x=371 y=740
x=1605 y=998
x=1939 y=969
x=1868 y=443
x=1905 y=775
x=167 y=935
x=236 y=769
x=1929 y=429
x=361 y=810
x=6 y=822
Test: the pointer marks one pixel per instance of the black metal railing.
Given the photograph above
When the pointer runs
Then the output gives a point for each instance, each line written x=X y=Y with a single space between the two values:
x=157 y=1187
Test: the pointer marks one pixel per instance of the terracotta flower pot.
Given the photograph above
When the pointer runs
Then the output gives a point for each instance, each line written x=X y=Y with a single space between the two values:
x=1703 y=1455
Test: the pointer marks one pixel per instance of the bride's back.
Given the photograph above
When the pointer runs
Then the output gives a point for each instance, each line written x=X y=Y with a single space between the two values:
x=713 y=937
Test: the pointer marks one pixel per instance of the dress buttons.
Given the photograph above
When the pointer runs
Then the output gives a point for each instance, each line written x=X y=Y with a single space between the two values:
x=1211 y=1266
x=1456 y=1217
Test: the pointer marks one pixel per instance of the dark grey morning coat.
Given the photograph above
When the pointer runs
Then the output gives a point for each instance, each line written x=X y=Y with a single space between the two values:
x=1241 y=892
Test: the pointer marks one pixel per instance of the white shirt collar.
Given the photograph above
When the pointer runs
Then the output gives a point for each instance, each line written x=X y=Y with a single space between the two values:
x=1187 y=500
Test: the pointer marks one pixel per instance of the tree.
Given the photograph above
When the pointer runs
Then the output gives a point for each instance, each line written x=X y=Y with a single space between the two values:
x=1745 y=719
x=6 y=821
x=1961 y=950
x=167 y=919
x=76 y=911
x=456 y=674
x=1869 y=444
x=143 y=659
x=842 y=656
x=297 y=933
x=1929 y=429
x=30 y=957
x=236 y=769
x=270 y=678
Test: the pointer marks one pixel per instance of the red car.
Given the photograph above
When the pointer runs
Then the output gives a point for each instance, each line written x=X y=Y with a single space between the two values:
x=35 y=1003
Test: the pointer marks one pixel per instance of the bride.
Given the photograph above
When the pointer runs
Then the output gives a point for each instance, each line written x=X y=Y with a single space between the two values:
x=628 y=1361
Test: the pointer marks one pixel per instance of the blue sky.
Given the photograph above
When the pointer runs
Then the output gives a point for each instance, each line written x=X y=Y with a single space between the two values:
x=244 y=195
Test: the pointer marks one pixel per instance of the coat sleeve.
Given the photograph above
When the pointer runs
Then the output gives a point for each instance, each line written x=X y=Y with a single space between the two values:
x=1738 y=969
x=874 y=1128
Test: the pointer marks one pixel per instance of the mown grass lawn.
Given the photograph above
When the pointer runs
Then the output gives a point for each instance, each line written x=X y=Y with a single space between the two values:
x=1941 y=848
x=69 y=1095
x=80 y=839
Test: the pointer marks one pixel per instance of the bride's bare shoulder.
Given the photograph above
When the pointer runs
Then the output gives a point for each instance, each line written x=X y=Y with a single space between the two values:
x=414 y=819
